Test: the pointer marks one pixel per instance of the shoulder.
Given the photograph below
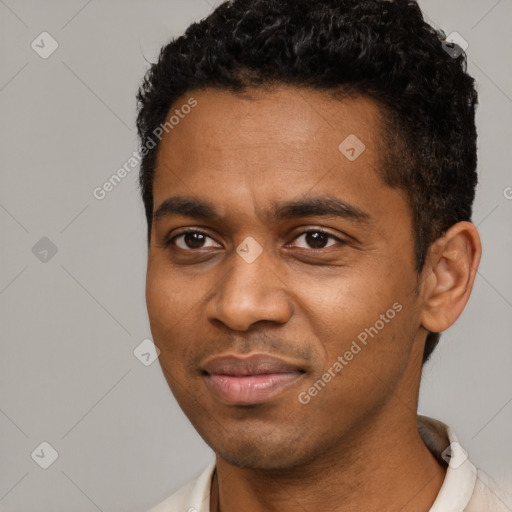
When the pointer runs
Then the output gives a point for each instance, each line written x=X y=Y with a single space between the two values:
x=465 y=487
x=192 y=497
x=488 y=496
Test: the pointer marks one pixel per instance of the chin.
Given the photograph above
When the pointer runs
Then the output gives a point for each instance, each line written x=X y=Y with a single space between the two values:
x=266 y=452
x=250 y=458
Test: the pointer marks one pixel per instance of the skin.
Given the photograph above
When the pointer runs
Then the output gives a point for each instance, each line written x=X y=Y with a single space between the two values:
x=355 y=445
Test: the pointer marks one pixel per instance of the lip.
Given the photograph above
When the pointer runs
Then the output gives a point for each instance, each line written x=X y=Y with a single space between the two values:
x=254 y=379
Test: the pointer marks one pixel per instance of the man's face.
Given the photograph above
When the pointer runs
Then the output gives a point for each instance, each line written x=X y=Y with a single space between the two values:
x=307 y=288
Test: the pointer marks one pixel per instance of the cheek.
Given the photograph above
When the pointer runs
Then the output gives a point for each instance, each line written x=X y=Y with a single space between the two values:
x=168 y=296
x=167 y=306
x=367 y=318
x=159 y=307
x=175 y=305
x=347 y=301
x=357 y=377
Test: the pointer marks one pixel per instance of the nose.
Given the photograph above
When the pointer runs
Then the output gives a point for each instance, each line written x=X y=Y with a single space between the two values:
x=249 y=293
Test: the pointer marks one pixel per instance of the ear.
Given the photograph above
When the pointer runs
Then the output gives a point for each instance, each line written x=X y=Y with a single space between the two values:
x=448 y=276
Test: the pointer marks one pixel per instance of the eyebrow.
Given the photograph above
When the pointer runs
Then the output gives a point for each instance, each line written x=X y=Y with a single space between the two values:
x=179 y=206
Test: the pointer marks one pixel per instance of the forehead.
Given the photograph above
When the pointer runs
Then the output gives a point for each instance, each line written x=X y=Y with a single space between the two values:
x=271 y=144
x=307 y=124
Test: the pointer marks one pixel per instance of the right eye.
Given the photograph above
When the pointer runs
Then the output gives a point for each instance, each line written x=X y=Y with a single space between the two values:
x=190 y=240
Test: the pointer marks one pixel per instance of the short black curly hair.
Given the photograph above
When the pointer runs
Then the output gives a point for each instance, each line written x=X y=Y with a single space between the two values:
x=381 y=49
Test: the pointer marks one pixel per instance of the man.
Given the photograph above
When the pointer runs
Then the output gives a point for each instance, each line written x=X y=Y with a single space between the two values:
x=308 y=176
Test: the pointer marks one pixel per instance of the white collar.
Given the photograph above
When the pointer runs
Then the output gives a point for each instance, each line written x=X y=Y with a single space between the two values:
x=460 y=479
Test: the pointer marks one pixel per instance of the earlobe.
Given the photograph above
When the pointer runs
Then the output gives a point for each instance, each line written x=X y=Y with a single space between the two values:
x=450 y=272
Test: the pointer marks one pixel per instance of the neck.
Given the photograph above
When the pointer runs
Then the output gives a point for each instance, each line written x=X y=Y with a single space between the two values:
x=380 y=473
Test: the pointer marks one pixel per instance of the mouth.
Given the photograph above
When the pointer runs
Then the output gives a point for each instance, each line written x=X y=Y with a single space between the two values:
x=250 y=380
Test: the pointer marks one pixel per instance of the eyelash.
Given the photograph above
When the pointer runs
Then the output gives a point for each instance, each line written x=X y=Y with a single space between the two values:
x=169 y=241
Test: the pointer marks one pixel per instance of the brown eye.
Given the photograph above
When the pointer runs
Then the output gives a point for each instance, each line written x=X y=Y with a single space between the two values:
x=191 y=240
x=194 y=240
x=316 y=239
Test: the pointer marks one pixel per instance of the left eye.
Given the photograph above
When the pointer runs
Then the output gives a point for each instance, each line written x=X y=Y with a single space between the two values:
x=317 y=239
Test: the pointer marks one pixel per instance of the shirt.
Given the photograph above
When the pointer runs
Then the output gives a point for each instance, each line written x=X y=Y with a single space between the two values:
x=465 y=487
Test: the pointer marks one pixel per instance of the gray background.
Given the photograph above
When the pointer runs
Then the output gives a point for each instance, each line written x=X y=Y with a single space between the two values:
x=69 y=324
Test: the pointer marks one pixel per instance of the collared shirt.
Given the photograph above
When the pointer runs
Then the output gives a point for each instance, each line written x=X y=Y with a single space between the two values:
x=465 y=488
